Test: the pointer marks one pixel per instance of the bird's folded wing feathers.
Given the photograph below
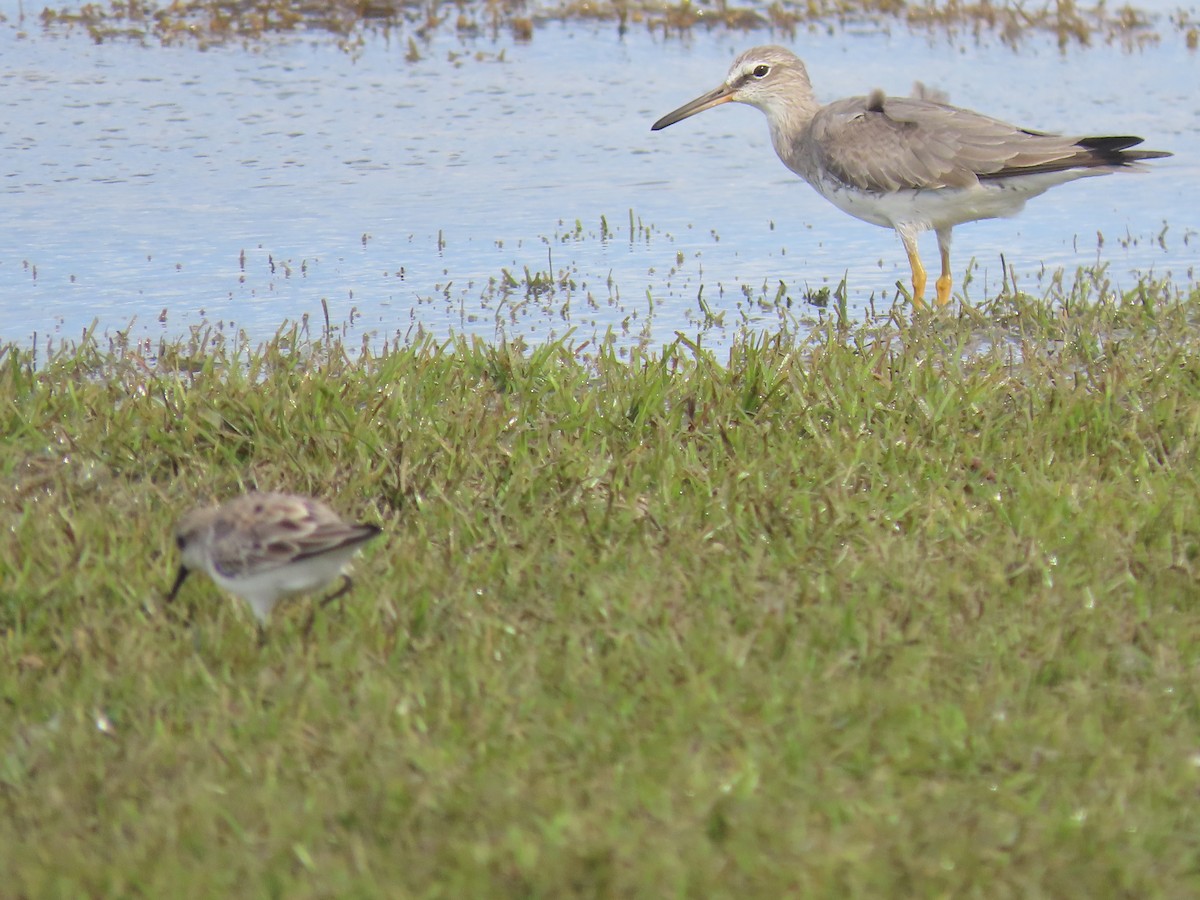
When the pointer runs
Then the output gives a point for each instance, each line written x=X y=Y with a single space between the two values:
x=878 y=144
x=293 y=532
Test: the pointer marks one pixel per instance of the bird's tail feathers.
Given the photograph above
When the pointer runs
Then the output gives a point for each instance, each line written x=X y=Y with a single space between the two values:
x=1114 y=151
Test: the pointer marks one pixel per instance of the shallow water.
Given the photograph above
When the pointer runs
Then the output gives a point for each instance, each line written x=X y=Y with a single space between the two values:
x=174 y=186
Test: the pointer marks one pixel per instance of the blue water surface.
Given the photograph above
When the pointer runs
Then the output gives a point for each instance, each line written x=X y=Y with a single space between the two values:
x=507 y=189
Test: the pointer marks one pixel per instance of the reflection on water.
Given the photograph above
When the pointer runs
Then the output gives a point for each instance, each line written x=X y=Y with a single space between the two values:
x=500 y=188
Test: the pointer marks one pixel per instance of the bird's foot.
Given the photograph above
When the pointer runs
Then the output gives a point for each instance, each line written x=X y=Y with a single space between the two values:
x=944 y=284
x=312 y=612
x=342 y=591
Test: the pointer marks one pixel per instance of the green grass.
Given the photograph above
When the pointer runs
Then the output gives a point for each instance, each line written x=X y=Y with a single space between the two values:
x=901 y=610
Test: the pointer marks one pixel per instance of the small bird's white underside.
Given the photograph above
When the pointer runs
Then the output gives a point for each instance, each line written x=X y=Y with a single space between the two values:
x=264 y=589
x=916 y=210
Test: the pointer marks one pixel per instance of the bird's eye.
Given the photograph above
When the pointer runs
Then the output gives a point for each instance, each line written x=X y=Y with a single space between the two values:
x=179 y=541
x=761 y=71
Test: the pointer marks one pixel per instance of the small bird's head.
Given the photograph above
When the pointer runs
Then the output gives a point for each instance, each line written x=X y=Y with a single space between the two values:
x=189 y=538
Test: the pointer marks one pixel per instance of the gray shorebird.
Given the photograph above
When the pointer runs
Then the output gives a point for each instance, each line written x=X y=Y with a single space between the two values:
x=909 y=164
x=264 y=547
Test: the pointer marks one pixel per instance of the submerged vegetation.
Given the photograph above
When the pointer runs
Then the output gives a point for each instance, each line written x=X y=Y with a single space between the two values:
x=207 y=22
x=898 y=610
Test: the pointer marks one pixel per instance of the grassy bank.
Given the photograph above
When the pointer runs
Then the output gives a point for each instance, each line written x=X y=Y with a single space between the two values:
x=907 y=610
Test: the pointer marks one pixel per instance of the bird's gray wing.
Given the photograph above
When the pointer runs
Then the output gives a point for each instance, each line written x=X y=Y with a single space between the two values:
x=878 y=143
x=262 y=532
x=250 y=549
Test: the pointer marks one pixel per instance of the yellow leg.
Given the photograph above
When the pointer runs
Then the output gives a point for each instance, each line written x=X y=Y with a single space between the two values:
x=918 y=270
x=943 y=284
x=945 y=281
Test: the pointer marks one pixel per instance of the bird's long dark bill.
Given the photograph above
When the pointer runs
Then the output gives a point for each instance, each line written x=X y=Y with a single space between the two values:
x=183 y=573
x=715 y=97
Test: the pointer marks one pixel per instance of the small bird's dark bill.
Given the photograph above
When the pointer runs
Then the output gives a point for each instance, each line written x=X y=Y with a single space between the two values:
x=715 y=97
x=183 y=573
